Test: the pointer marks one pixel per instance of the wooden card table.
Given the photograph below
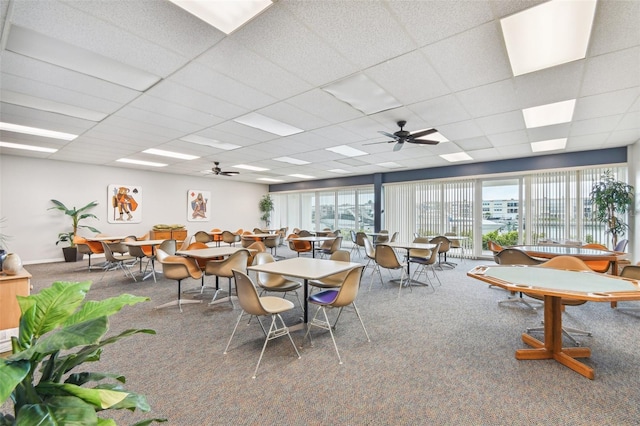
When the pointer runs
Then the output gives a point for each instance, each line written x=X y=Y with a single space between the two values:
x=552 y=250
x=10 y=287
x=553 y=285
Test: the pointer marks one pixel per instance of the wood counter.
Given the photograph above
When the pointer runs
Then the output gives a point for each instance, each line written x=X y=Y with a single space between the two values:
x=10 y=287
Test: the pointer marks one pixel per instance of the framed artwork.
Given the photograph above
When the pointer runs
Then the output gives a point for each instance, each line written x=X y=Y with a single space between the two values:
x=125 y=202
x=198 y=205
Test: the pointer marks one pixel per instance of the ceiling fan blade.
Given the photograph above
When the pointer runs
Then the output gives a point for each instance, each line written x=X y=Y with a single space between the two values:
x=423 y=133
x=389 y=135
x=398 y=146
x=375 y=143
x=424 y=142
x=229 y=173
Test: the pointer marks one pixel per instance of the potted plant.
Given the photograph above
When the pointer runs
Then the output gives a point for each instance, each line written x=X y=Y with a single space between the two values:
x=610 y=197
x=70 y=252
x=266 y=207
x=59 y=331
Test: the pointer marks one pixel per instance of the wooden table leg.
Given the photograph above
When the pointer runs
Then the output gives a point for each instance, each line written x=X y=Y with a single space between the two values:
x=552 y=346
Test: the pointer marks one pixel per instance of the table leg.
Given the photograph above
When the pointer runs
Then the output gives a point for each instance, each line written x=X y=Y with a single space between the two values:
x=552 y=346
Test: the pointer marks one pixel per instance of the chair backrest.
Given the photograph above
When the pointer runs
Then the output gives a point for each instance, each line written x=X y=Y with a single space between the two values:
x=353 y=236
x=349 y=288
x=341 y=255
x=136 y=251
x=511 y=256
x=386 y=257
x=266 y=279
x=203 y=237
x=257 y=231
x=168 y=246
x=422 y=253
x=237 y=260
x=259 y=247
x=621 y=246
x=494 y=247
x=445 y=243
x=273 y=241
x=369 y=249
x=597 y=265
x=108 y=254
x=197 y=245
x=433 y=258
x=631 y=271
x=394 y=237
x=247 y=294
x=360 y=237
x=228 y=237
x=177 y=267
x=383 y=238
x=304 y=233
x=454 y=243
x=566 y=262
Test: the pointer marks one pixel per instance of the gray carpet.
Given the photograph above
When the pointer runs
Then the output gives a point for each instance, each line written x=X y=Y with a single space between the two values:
x=434 y=358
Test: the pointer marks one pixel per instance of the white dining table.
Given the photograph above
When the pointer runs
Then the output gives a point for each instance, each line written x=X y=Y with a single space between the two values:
x=307 y=269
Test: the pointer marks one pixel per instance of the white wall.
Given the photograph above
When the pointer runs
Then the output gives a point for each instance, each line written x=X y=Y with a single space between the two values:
x=27 y=186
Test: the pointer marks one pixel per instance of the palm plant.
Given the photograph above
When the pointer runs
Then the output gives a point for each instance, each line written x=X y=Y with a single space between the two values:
x=266 y=207
x=611 y=198
x=76 y=216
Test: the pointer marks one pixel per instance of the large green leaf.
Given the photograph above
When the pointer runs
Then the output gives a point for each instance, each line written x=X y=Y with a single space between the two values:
x=93 y=309
x=60 y=410
x=11 y=373
x=131 y=402
x=86 y=333
x=101 y=399
x=54 y=304
x=82 y=378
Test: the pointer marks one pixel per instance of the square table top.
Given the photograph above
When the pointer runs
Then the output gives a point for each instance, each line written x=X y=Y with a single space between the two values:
x=305 y=267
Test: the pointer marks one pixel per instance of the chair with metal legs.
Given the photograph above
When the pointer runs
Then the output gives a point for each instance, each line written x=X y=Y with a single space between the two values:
x=275 y=283
x=261 y=306
x=633 y=272
x=387 y=258
x=517 y=257
x=340 y=297
x=224 y=268
x=178 y=268
x=427 y=262
x=124 y=263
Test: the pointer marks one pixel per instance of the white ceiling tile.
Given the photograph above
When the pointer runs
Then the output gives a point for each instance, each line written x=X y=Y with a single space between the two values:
x=595 y=125
x=440 y=111
x=613 y=71
x=289 y=114
x=509 y=138
x=615 y=26
x=605 y=104
x=494 y=98
x=551 y=85
x=501 y=123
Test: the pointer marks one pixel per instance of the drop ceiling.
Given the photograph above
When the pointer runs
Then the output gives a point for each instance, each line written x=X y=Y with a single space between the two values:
x=127 y=76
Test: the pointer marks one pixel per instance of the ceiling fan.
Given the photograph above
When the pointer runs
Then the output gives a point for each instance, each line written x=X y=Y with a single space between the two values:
x=402 y=136
x=216 y=170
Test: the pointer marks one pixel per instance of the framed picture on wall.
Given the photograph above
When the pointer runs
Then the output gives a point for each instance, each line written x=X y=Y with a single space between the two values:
x=125 y=203
x=198 y=205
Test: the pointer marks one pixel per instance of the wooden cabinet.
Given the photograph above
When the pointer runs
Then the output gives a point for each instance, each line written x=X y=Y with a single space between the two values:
x=10 y=287
x=175 y=234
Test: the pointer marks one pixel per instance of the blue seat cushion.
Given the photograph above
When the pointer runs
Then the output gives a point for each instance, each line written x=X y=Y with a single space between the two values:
x=324 y=297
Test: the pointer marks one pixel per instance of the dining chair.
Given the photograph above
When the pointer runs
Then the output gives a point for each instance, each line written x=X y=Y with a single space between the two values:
x=633 y=272
x=230 y=238
x=445 y=246
x=275 y=283
x=340 y=297
x=124 y=262
x=621 y=246
x=259 y=247
x=335 y=280
x=427 y=260
x=85 y=248
x=304 y=233
x=261 y=306
x=178 y=268
x=573 y=264
x=387 y=258
x=224 y=268
x=203 y=237
x=202 y=264
x=334 y=246
x=299 y=246
x=601 y=266
x=384 y=238
x=169 y=246
x=510 y=256
x=140 y=255
x=394 y=237
x=272 y=244
x=456 y=244
x=370 y=252
x=217 y=238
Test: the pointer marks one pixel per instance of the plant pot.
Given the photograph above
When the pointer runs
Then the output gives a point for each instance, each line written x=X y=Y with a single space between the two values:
x=71 y=254
x=12 y=264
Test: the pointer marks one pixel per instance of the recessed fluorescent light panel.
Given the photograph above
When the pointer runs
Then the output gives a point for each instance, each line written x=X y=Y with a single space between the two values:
x=270 y=180
x=225 y=15
x=342 y=171
x=210 y=142
x=267 y=124
x=170 y=154
x=363 y=94
x=347 y=151
x=141 y=163
x=292 y=161
x=550 y=145
x=455 y=157
x=296 y=175
x=35 y=45
x=547 y=115
x=550 y=34
x=26 y=147
x=252 y=168
x=36 y=131
x=390 y=165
